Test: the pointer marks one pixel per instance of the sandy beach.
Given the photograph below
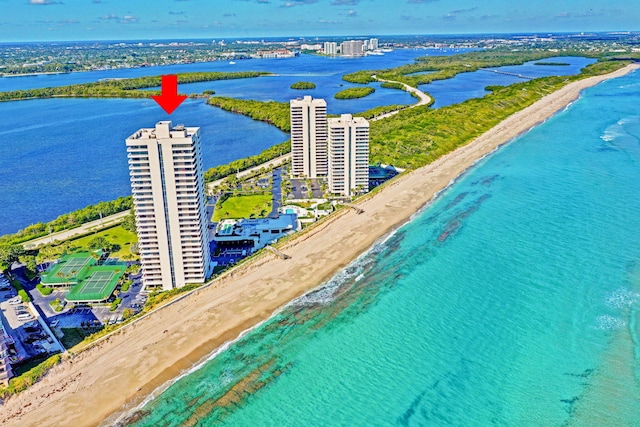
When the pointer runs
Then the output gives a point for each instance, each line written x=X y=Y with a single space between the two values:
x=128 y=366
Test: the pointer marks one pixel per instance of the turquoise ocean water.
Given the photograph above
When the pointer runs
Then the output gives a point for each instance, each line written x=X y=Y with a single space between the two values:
x=511 y=301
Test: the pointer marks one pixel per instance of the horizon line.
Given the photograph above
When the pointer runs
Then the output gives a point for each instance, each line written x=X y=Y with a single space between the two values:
x=150 y=39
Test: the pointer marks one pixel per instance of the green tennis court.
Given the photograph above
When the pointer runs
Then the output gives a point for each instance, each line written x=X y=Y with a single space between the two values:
x=73 y=265
x=98 y=286
x=69 y=270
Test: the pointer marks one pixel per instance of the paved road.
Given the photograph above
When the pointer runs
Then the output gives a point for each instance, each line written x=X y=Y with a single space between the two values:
x=89 y=227
x=111 y=220
x=424 y=99
x=271 y=163
x=276 y=192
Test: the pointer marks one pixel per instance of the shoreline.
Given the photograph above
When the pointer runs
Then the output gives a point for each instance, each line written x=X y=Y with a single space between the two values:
x=135 y=361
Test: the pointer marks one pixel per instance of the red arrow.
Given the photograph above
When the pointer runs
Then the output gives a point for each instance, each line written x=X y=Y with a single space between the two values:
x=169 y=100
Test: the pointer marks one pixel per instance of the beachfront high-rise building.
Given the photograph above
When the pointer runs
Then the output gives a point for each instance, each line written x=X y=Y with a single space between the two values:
x=352 y=48
x=330 y=48
x=373 y=44
x=348 y=155
x=165 y=167
x=308 y=137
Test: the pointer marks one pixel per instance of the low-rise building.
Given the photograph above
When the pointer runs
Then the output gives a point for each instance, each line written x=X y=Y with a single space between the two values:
x=5 y=363
x=256 y=232
x=316 y=46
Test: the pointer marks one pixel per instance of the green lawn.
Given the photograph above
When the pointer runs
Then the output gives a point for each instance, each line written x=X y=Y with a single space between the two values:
x=258 y=205
x=114 y=235
x=73 y=336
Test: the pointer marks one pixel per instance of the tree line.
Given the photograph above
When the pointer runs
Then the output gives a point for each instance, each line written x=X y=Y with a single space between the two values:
x=446 y=67
x=121 y=88
x=272 y=112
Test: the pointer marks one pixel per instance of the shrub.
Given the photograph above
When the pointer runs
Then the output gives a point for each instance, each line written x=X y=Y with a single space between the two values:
x=56 y=305
x=126 y=285
x=24 y=296
x=156 y=298
x=29 y=378
x=127 y=313
x=115 y=304
x=44 y=290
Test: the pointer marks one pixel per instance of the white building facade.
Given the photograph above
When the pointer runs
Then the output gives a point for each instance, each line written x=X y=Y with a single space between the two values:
x=352 y=48
x=308 y=137
x=348 y=155
x=165 y=168
x=330 y=48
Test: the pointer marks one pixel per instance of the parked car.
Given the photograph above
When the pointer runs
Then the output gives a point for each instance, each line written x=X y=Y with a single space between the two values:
x=20 y=307
x=15 y=301
x=31 y=328
x=25 y=316
x=34 y=337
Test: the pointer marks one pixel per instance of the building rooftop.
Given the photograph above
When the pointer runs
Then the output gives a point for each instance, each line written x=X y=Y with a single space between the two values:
x=349 y=119
x=164 y=129
x=247 y=228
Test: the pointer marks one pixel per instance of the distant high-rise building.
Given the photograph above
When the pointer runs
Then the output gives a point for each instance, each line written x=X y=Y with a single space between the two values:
x=352 y=48
x=348 y=155
x=365 y=45
x=373 y=44
x=165 y=167
x=330 y=48
x=308 y=137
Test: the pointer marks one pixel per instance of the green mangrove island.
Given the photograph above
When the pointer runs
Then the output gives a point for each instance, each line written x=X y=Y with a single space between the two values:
x=303 y=85
x=354 y=92
x=121 y=88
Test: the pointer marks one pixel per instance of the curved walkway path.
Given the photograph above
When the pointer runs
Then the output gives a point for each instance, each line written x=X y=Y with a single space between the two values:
x=423 y=98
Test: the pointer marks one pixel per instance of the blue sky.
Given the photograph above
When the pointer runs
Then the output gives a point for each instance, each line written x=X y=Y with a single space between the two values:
x=31 y=20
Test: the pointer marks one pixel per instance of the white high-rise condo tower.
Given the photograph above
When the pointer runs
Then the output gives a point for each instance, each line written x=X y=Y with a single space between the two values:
x=330 y=48
x=165 y=167
x=352 y=48
x=348 y=155
x=308 y=137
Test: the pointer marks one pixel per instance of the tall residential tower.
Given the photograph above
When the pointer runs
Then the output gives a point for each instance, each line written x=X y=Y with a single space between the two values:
x=348 y=155
x=165 y=167
x=308 y=137
x=352 y=48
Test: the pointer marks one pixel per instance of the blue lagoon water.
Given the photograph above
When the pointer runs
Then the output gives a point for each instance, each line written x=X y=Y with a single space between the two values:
x=303 y=66
x=511 y=300
x=472 y=85
x=58 y=155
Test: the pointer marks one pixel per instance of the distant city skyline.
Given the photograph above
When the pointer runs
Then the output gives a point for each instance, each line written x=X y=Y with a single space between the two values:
x=55 y=20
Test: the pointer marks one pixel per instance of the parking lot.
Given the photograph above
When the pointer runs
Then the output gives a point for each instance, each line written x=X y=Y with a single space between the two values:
x=301 y=190
x=229 y=255
x=76 y=316
x=29 y=338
